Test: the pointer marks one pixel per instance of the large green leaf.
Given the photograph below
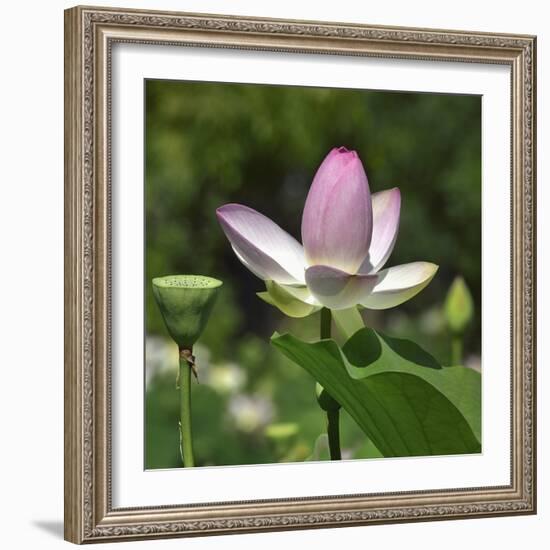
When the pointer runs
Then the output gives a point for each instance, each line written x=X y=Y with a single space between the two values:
x=369 y=352
x=401 y=413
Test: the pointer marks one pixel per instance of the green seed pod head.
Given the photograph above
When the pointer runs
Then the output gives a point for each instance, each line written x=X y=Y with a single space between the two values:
x=185 y=302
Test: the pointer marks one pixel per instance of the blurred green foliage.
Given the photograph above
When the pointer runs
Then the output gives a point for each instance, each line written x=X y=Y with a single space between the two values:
x=459 y=307
x=459 y=314
x=208 y=144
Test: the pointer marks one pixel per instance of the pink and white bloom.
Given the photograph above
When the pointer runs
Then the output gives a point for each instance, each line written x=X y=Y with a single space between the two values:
x=347 y=235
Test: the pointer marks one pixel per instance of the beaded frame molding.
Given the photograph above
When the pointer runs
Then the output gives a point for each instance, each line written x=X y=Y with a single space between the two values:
x=89 y=36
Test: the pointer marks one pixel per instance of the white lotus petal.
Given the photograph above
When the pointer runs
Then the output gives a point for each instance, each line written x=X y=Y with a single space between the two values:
x=278 y=296
x=386 y=206
x=336 y=289
x=398 y=284
x=268 y=251
x=302 y=293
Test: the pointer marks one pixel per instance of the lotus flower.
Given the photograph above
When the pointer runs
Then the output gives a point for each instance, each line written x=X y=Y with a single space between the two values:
x=347 y=235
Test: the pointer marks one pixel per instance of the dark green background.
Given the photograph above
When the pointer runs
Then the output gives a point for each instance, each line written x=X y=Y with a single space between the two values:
x=208 y=144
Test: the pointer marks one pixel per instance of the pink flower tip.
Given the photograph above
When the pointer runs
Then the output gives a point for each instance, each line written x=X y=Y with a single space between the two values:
x=344 y=151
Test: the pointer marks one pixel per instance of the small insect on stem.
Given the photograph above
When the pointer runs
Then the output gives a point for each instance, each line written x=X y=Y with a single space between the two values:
x=187 y=354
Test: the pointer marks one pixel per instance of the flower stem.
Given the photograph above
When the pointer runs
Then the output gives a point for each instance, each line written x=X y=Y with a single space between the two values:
x=333 y=432
x=186 y=439
x=333 y=413
x=326 y=321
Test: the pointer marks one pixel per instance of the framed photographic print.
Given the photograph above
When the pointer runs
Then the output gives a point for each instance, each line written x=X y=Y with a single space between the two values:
x=300 y=274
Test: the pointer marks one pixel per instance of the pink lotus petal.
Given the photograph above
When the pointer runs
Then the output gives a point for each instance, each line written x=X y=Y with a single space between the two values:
x=398 y=284
x=386 y=206
x=262 y=246
x=337 y=218
x=336 y=289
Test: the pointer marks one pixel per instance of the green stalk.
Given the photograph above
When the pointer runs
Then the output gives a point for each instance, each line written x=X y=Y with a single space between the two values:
x=186 y=439
x=333 y=432
x=326 y=321
x=333 y=412
x=456 y=350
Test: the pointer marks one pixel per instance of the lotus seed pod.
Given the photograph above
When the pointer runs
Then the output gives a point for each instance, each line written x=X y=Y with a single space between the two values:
x=185 y=302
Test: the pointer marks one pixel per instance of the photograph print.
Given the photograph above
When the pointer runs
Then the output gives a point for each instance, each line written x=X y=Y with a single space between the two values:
x=312 y=274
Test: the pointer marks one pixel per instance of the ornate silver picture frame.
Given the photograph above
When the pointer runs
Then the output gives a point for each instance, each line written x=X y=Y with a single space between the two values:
x=90 y=34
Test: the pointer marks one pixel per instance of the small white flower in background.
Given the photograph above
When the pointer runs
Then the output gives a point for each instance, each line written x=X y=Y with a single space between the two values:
x=160 y=355
x=226 y=378
x=250 y=412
